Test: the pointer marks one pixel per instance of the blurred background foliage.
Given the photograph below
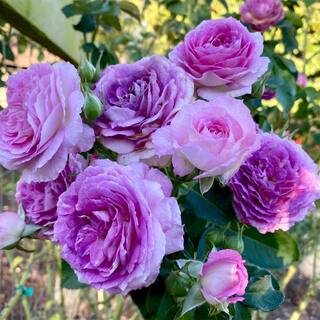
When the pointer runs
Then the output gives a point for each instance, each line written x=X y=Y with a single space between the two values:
x=112 y=31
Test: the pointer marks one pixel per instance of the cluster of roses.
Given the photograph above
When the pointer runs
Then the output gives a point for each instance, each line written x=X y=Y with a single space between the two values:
x=115 y=221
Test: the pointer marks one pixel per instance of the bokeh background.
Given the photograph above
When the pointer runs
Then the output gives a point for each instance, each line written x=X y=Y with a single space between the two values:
x=111 y=32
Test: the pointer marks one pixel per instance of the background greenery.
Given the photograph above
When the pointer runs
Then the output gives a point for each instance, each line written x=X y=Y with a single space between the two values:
x=108 y=32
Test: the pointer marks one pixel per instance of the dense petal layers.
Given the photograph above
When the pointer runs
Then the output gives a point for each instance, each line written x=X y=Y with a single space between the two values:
x=276 y=187
x=42 y=123
x=262 y=14
x=116 y=223
x=138 y=99
x=215 y=137
x=221 y=55
x=39 y=199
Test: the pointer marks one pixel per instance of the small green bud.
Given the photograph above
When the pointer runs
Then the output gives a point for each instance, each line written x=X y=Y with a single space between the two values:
x=178 y=284
x=87 y=71
x=92 y=107
x=235 y=243
x=215 y=237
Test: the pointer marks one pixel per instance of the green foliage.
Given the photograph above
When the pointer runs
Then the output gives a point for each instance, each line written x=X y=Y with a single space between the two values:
x=69 y=279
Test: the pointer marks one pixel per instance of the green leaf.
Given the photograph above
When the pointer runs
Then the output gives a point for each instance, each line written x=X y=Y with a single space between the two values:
x=310 y=2
x=130 y=8
x=69 y=279
x=204 y=208
x=111 y=20
x=205 y=184
x=263 y=291
x=30 y=229
x=86 y=24
x=289 y=36
x=193 y=300
x=271 y=250
x=240 y=312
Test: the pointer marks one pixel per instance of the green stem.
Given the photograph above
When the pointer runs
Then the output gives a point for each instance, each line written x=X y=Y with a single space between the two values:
x=19 y=293
x=119 y=308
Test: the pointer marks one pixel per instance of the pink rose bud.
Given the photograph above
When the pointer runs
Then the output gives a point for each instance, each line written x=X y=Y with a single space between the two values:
x=11 y=229
x=262 y=14
x=224 y=277
x=302 y=80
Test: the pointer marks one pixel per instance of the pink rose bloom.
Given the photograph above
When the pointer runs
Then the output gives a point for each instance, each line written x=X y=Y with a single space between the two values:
x=224 y=277
x=116 y=223
x=215 y=137
x=11 y=228
x=302 y=80
x=262 y=14
x=221 y=56
x=42 y=123
x=39 y=199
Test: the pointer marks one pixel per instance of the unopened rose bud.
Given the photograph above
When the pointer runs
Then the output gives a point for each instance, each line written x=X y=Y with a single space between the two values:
x=92 y=107
x=223 y=277
x=11 y=229
x=87 y=71
x=235 y=243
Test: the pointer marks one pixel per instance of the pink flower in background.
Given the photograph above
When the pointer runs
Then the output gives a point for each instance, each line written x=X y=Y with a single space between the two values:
x=215 y=137
x=39 y=199
x=42 y=123
x=116 y=223
x=11 y=228
x=302 y=80
x=262 y=14
x=139 y=98
x=268 y=94
x=221 y=56
x=276 y=187
x=224 y=277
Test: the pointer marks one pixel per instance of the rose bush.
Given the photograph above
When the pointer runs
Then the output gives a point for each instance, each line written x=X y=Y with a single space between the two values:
x=169 y=189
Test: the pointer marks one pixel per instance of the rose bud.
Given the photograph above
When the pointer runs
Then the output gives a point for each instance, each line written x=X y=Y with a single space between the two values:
x=11 y=229
x=223 y=277
x=92 y=107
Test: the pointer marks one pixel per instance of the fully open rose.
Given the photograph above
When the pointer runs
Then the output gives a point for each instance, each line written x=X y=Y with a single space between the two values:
x=215 y=137
x=277 y=186
x=42 y=123
x=221 y=55
x=139 y=98
x=116 y=223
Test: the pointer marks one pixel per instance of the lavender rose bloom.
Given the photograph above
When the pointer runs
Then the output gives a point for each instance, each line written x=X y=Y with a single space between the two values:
x=116 y=223
x=262 y=14
x=224 y=277
x=215 y=137
x=139 y=98
x=39 y=199
x=276 y=187
x=42 y=123
x=221 y=56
